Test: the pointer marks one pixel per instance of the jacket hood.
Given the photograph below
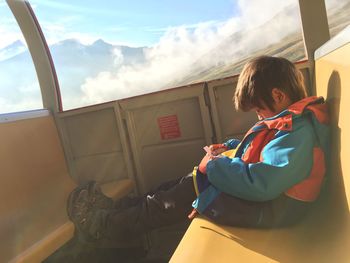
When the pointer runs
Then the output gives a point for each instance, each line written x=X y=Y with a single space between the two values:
x=284 y=120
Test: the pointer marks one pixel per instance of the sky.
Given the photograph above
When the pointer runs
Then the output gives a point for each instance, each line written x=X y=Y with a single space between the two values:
x=134 y=23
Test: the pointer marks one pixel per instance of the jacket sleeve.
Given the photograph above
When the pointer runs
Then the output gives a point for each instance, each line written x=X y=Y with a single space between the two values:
x=287 y=160
x=232 y=143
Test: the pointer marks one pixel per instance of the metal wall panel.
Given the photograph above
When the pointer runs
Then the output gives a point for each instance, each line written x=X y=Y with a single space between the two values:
x=95 y=143
x=167 y=131
x=305 y=68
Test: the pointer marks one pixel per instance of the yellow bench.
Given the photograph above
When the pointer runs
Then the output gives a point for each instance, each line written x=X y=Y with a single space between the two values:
x=50 y=243
x=33 y=191
x=324 y=236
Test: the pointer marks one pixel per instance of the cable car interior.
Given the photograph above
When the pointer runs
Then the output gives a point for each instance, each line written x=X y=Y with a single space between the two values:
x=127 y=147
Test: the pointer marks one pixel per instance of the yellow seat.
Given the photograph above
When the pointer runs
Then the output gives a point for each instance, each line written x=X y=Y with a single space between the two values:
x=34 y=189
x=324 y=235
x=50 y=243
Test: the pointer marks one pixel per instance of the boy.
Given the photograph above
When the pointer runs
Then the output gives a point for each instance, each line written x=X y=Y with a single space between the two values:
x=269 y=179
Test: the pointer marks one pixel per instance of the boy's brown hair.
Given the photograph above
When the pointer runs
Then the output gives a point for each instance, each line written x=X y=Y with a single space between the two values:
x=262 y=74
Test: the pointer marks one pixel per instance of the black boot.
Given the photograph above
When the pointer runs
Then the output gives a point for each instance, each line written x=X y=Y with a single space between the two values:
x=94 y=197
x=86 y=208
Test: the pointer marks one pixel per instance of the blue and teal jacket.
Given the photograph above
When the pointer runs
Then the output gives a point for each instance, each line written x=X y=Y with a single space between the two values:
x=284 y=154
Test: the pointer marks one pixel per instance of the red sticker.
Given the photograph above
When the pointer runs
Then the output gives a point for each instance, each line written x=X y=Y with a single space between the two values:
x=169 y=127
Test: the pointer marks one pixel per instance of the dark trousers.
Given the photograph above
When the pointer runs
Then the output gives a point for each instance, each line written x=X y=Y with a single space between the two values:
x=166 y=205
x=172 y=201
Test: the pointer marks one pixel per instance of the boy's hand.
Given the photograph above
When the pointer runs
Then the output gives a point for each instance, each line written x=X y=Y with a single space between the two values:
x=216 y=149
x=213 y=152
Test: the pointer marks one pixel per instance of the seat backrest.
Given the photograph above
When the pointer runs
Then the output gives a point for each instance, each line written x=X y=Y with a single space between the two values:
x=332 y=82
x=34 y=183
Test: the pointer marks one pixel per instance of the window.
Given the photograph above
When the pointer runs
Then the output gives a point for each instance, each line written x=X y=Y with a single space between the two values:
x=108 y=50
x=19 y=88
x=338 y=12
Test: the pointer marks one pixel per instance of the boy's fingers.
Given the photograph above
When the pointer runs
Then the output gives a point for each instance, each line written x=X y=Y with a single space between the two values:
x=218 y=151
x=215 y=149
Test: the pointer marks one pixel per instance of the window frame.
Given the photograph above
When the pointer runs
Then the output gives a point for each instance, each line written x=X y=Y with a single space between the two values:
x=40 y=54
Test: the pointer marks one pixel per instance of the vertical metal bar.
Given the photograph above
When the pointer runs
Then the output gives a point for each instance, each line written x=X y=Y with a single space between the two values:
x=40 y=54
x=314 y=25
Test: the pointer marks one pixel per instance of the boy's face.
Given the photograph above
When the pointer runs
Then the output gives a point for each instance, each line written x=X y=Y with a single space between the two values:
x=281 y=102
x=264 y=113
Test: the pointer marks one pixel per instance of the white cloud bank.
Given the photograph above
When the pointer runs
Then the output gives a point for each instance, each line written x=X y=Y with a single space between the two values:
x=174 y=55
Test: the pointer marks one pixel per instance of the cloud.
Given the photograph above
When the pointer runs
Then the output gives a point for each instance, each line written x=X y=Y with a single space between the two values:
x=9 y=30
x=335 y=4
x=84 y=9
x=62 y=29
x=118 y=57
x=255 y=12
x=169 y=59
x=20 y=105
x=27 y=97
x=116 y=29
x=182 y=49
x=55 y=31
